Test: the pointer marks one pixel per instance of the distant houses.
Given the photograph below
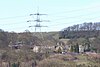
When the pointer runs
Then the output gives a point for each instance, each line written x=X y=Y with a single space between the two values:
x=43 y=48
x=60 y=47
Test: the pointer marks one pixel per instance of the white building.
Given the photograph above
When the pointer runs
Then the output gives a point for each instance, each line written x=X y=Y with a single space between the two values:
x=81 y=48
x=36 y=49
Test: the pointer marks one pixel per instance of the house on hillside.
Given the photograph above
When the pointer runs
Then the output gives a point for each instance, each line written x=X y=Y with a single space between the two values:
x=36 y=48
x=43 y=48
x=60 y=47
x=81 y=48
x=16 y=45
x=66 y=44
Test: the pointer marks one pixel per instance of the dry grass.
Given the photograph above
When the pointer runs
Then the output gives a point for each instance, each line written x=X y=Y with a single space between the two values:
x=60 y=60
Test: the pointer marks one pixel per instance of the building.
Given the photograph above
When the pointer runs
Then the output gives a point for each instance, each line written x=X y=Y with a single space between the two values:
x=16 y=45
x=81 y=48
x=36 y=48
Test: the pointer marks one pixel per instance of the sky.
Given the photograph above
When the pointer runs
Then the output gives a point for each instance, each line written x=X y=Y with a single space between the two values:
x=14 y=14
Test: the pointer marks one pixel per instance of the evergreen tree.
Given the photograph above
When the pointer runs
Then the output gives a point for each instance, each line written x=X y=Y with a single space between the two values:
x=77 y=48
x=71 y=49
x=74 y=48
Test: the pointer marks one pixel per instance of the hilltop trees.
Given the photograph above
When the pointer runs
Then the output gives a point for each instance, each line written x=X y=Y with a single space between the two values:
x=81 y=30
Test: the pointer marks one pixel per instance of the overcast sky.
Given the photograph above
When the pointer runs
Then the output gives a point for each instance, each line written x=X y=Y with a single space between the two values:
x=14 y=14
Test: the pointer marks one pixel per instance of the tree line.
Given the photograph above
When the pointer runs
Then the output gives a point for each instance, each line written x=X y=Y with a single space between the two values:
x=81 y=30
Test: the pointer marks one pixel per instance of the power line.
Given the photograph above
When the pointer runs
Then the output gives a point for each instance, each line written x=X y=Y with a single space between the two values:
x=53 y=20
x=76 y=10
x=12 y=17
x=12 y=23
x=55 y=25
x=74 y=21
x=32 y=26
x=48 y=21
x=53 y=13
x=77 y=16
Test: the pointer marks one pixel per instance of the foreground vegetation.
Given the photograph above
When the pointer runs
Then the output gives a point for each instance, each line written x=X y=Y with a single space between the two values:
x=27 y=58
x=68 y=60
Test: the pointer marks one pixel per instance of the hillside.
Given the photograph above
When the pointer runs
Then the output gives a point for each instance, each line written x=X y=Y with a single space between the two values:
x=26 y=57
x=28 y=38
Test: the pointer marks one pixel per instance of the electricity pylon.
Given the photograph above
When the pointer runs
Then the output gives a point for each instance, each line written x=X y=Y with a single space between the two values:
x=38 y=21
